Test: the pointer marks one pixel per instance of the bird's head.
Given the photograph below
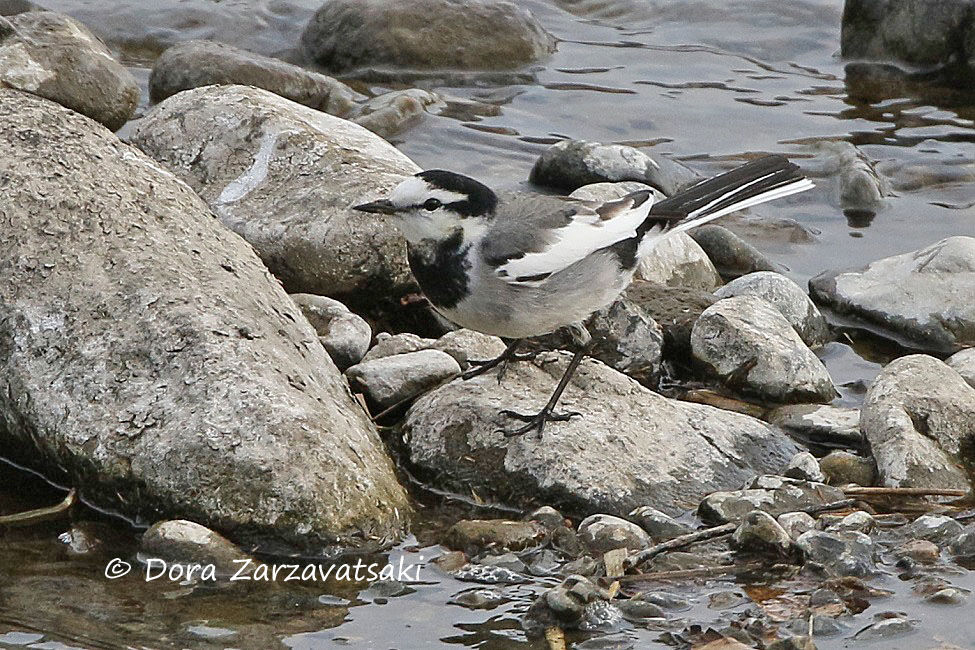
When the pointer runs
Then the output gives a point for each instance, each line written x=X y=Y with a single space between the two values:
x=434 y=204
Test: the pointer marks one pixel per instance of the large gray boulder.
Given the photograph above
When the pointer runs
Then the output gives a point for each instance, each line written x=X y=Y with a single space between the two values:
x=922 y=298
x=56 y=57
x=630 y=448
x=915 y=31
x=919 y=417
x=964 y=364
x=751 y=347
x=148 y=357
x=203 y=63
x=283 y=176
x=448 y=34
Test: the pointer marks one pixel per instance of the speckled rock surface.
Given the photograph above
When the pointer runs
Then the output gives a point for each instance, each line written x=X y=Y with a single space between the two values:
x=283 y=176
x=786 y=296
x=919 y=417
x=964 y=364
x=390 y=380
x=450 y=34
x=753 y=348
x=129 y=317
x=630 y=448
x=56 y=57
x=570 y=164
x=345 y=335
x=192 y=64
x=921 y=298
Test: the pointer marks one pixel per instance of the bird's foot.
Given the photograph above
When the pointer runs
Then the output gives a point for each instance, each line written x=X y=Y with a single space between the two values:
x=481 y=366
x=536 y=421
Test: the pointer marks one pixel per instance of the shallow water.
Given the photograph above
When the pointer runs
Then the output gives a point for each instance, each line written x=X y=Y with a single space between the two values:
x=708 y=83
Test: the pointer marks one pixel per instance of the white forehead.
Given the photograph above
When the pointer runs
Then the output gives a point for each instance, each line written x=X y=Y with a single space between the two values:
x=415 y=190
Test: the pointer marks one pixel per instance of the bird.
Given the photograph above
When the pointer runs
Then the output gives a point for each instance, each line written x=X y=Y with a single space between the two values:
x=518 y=265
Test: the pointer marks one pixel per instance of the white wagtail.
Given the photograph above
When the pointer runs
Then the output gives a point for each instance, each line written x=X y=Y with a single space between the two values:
x=517 y=265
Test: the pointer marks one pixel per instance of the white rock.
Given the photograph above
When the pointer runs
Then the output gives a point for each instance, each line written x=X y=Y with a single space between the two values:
x=741 y=332
x=786 y=296
x=391 y=380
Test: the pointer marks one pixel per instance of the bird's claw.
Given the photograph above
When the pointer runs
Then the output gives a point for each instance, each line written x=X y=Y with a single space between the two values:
x=481 y=366
x=536 y=421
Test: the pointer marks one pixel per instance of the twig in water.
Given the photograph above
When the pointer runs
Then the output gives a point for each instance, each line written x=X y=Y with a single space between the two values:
x=901 y=492
x=40 y=514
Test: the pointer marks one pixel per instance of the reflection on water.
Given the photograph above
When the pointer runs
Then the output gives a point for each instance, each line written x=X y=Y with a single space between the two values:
x=706 y=82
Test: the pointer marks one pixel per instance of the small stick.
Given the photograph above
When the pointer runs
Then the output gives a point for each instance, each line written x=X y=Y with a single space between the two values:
x=40 y=514
x=555 y=638
x=703 y=572
x=901 y=492
x=679 y=542
x=716 y=531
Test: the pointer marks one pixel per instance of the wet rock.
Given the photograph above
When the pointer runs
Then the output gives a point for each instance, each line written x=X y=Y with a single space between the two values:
x=56 y=57
x=478 y=598
x=659 y=525
x=486 y=557
x=380 y=591
x=401 y=377
x=666 y=600
x=767 y=229
x=843 y=468
x=859 y=521
x=772 y=494
x=345 y=335
x=193 y=64
x=886 y=628
x=963 y=546
x=752 y=348
x=861 y=187
x=638 y=610
x=918 y=298
x=388 y=345
x=570 y=164
x=481 y=35
x=804 y=467
x=677 y=261
x=476 y=535
x=838 y=554
x=283 y=176
x=948 y=596
x=919 y=416
x=568 y=601
x=939 y=529
x=675 y=309
x=185 y=542
x=280 y=455
x=584 y=565
x=964 y=364
x=631 y=447
x=547 y=516
x=464 y=345
x=796 y=523
x=920 y=550
x=731 y=255
x=761 y=534
x=391 y=113
x=913 y=31
x=489 y=575
x=627 y=340
x=820 y=424
x=786 y=296
x=603 y=533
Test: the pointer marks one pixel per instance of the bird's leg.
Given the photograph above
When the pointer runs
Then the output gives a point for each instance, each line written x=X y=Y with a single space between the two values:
x=480 y=367
x=537 y=421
